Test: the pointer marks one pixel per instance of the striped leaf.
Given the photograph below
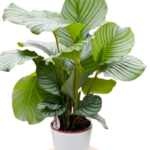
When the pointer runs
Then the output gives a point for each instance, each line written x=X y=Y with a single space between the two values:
x=26 y=99
x=48 y=48
x=100 y=119
x=90 y=106
x=51 y=106
x=48 y=97
x=91 y=13
x=68 y=64
x=10 y=59
x=38 y=25
x=75 y=52
x=18 y=15
x=100 y=86
x=36 y=21
x=127 y=69
x=87 y=61
x=49 y=78
x=69 y=35
x=50 y=113
x=112 y=43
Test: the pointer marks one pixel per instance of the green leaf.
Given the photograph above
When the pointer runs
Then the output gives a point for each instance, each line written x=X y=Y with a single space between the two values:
x=36 y=21
x=68 y=64
x=51 y=106
x=74 y=52
x=127 y=69
x=48 y=97
x=26 y=99
x=49 y=78
x=100 y=119
x=48 y=48
x=38 y=60
x=10 y=59
x=87 y=61
x=68 y=35
x=50 y=113
x=88 y=12
x=90 y=106
x=112 y=43
x=68 y=87
x=100 y=86
x=51 y=50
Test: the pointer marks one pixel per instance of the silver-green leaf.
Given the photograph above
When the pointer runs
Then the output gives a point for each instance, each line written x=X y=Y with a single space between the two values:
x=50 y=78
x=51 y=106
x=127 y=69
x=9 y=59
x=49 y=48
x=50 y=113
x=75 y=51
x=90 y=106
x=91 y=13
x=36 y=21
x=100 y=119
x=112 y=43
x=69 y=35
x=47 y=96
x=38 y=25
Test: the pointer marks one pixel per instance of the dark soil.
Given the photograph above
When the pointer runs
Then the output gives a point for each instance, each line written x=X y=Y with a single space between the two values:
x=76 y=123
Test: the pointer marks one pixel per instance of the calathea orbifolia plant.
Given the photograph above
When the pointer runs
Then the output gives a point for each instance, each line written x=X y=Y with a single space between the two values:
x=54 y=89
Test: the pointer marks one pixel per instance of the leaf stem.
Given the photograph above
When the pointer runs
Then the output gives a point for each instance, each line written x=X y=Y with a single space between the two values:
x=61 y=66
x=71 y=35
x=77 y=82
x=93 y=82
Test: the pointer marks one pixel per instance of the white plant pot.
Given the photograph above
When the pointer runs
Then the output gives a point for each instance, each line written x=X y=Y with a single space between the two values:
x=71 y=140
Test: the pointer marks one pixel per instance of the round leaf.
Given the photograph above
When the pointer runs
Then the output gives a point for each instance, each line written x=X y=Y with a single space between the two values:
x=26 y=99
x=112 y=43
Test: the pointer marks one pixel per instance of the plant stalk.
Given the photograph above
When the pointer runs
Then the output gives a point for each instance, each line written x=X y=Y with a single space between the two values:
x=77 y=82
x=61 y=66
x=63 y=79
x=92 y=83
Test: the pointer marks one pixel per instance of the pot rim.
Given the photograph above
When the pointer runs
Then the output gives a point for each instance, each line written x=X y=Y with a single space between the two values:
x=77 y=132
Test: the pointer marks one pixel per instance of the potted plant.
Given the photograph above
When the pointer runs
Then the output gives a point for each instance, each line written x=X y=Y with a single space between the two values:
x=54 y=89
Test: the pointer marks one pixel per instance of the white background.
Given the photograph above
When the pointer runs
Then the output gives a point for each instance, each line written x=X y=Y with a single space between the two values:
x=126 y=109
